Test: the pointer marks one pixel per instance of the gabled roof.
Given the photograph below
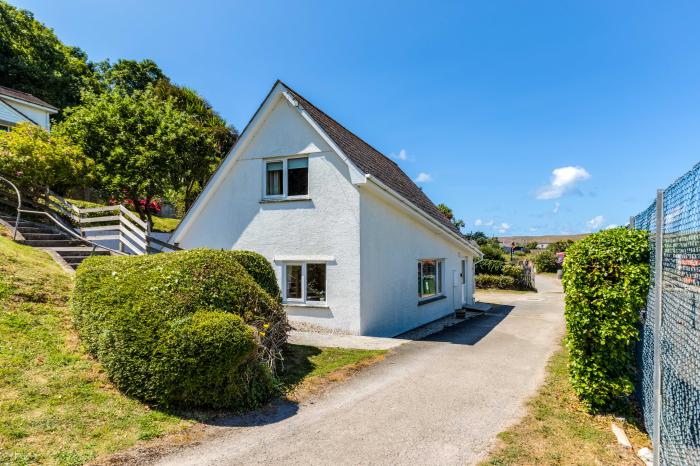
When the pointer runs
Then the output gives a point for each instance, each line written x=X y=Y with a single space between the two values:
x=372 y=162
x=19 y=95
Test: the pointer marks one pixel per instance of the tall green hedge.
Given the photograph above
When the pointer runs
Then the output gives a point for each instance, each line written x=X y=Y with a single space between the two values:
x=606 y=280
x=190 y=328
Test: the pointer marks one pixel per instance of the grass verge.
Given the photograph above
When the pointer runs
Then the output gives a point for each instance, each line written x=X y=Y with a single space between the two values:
x=309 y=370
x=56 y=404
x=557 y=430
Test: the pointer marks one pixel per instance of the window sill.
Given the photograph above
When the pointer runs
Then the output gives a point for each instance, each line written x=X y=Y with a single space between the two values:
x=272 y=200
x=432 y=299
x=306 y=305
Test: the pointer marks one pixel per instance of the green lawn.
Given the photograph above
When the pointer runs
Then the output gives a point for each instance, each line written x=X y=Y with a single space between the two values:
x=56 y=404
x=557 y=431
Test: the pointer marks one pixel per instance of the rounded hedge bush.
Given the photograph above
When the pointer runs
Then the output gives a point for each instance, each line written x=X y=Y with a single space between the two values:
x=606 y=281
x=189 y=328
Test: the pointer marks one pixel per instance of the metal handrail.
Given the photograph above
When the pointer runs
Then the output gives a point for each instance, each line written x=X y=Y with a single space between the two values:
x=51 y=217
x=19 y=205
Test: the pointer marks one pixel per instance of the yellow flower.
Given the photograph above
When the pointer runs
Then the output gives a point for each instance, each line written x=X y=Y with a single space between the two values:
x=266 y=325
x=262 y=334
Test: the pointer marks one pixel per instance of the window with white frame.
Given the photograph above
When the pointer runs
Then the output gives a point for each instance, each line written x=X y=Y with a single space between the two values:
x=287 y=177
x=430 y=275
x=305 y=283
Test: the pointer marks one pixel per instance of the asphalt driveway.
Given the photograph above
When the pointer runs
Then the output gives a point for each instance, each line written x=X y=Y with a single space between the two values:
x=441 y=400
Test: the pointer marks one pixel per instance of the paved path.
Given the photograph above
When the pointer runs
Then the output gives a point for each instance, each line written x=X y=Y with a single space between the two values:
x=436 y=401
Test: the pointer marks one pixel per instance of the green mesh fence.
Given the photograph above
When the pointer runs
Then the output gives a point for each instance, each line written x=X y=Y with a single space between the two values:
x=680 y=323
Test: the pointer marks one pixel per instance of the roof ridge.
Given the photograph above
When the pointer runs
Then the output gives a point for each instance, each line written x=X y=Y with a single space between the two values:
x=373 y=162
x=339 y=123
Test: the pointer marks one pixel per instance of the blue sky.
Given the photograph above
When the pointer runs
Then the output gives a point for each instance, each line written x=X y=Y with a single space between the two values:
x=484 y=99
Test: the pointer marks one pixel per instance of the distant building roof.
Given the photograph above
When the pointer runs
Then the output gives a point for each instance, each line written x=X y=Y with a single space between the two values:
x=543 y=239
x=15 y=94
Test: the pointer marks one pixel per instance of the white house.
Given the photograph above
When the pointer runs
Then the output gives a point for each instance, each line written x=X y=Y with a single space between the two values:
x=356 y=245
x=17 y=107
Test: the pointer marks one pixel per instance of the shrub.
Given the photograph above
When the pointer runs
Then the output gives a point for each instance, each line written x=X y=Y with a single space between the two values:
x=606 y=281
x=190 y=328
x=489 y=267
x=492 y=251
x=513 y=270
x=259 y=268
x=546 y=261
x=502 y=282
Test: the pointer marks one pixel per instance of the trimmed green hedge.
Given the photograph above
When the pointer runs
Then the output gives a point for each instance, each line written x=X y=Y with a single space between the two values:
x=189 y=328
x=606 y=280
x=501 y=282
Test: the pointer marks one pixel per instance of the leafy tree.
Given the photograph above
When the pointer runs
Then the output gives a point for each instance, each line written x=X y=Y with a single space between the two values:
x=447 y=212
x=531 y=245
x=478 y=236
x=34 y=60
x=131 y=75
x=492 y=251
x=216 y=139
x=36 y=160
x=560 y=246
x=137 y=141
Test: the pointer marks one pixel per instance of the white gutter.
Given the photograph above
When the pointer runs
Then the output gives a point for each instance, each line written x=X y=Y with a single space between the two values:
x=418 y=212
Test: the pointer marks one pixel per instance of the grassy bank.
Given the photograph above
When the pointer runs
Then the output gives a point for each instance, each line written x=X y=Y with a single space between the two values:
x=56 y=404
x=557 y=431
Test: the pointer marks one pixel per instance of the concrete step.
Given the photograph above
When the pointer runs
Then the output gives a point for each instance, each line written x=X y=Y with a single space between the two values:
x=41 y=243
x=44 y=235
x=75 y=252
x=41 y=229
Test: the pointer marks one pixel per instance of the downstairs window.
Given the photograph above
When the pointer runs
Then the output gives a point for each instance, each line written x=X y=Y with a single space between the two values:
x=305 y=283
x=430 y=277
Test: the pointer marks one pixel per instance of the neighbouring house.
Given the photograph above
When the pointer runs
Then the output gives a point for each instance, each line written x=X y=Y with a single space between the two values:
x=355 y=244
x=17 y=107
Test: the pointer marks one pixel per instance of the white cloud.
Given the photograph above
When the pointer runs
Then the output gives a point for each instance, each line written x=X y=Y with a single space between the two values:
x=423 y=178
x=402 y=155
x=564 y=179
x=595 y=223
x=503 y=227
x=556 y=208
x=478 y=222
x=533 y=229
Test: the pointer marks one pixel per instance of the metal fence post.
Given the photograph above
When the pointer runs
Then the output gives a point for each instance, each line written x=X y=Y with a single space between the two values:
x=658 y=315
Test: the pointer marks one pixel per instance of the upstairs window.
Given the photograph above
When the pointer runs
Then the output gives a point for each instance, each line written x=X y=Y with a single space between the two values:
x=287 y=177
x=429 y=277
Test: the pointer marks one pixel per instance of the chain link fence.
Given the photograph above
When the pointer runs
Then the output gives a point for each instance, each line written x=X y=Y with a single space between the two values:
x=668 y=352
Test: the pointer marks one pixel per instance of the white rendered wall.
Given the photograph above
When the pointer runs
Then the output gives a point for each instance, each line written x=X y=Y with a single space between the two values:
x=392 y=244
x=235 y=217
x=10 y=115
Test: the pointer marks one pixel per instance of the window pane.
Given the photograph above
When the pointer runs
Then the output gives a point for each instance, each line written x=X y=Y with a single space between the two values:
x=294 y=282
x=298 y=177
x=464 y=272
x=439 y=276
x=274 y=179
x=429 y=284
x=316 y=282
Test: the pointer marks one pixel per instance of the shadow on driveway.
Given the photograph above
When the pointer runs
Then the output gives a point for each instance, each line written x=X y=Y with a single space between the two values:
x=471 y=331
